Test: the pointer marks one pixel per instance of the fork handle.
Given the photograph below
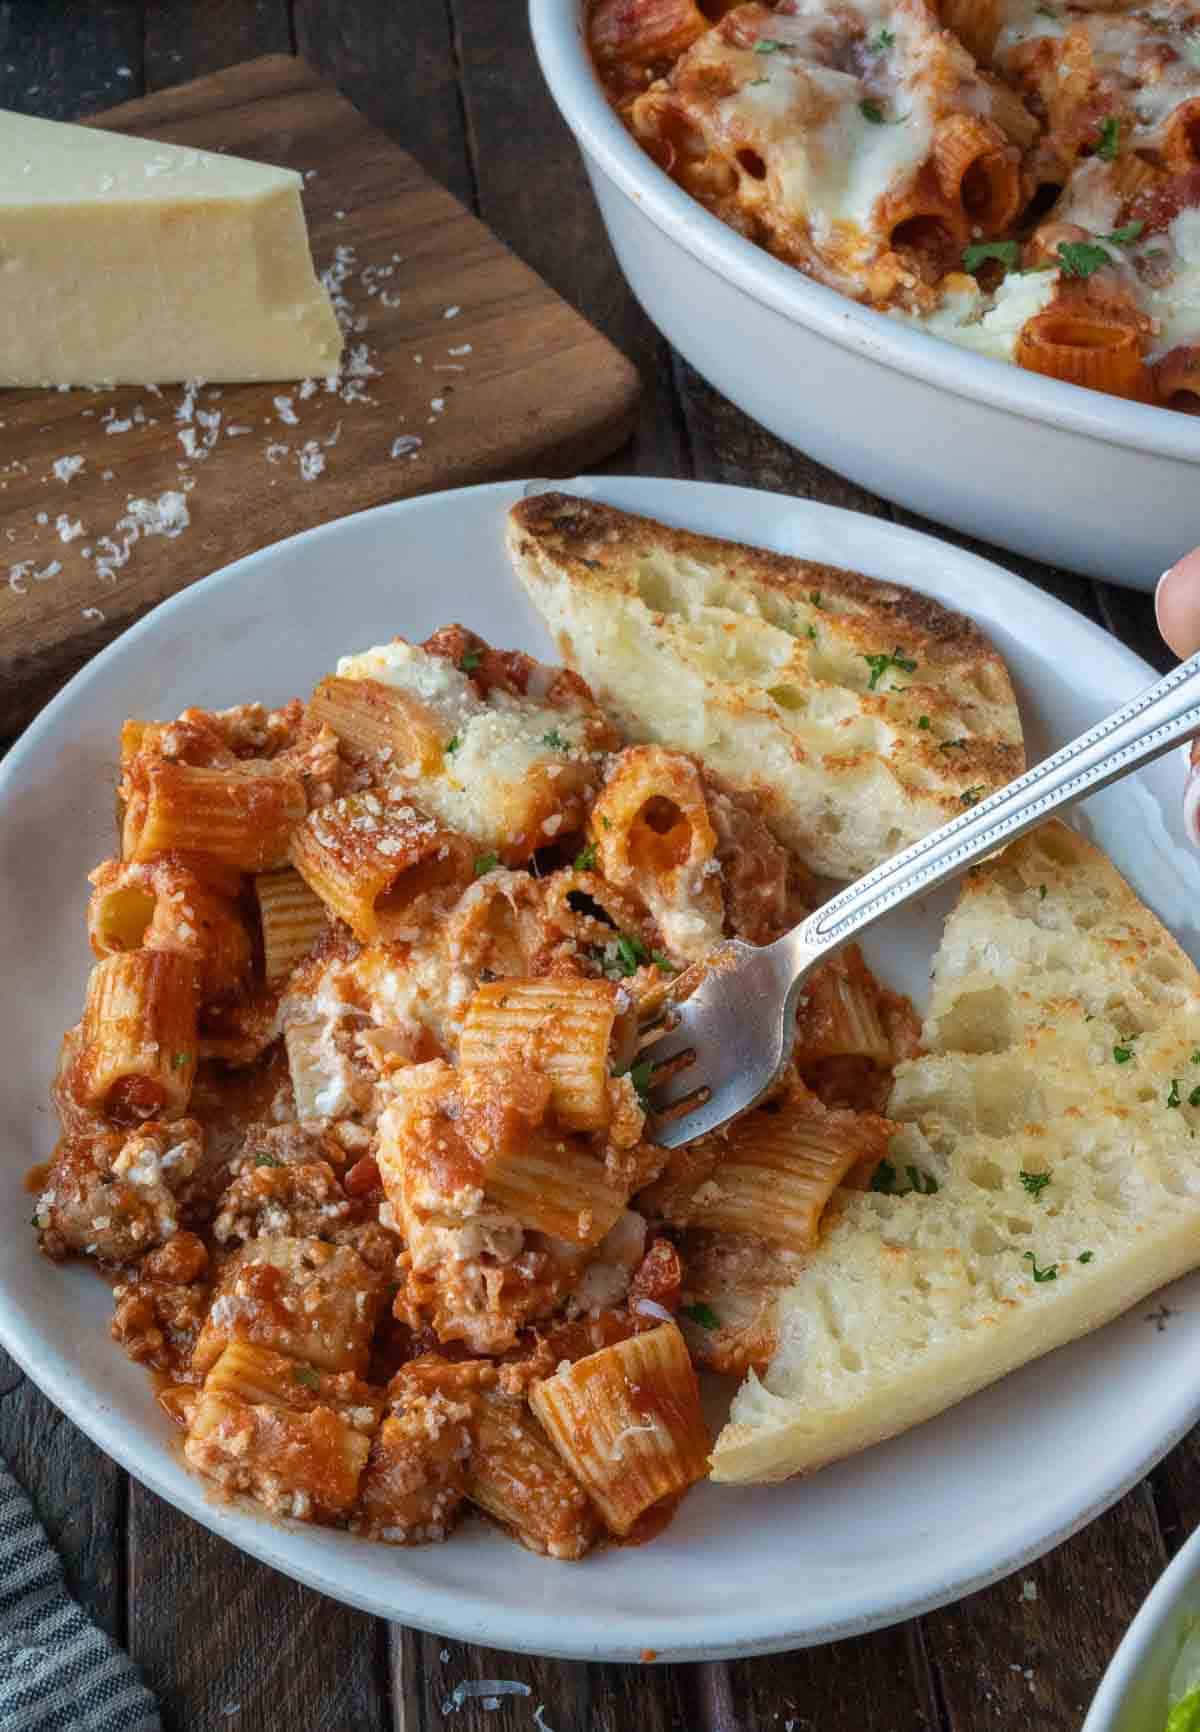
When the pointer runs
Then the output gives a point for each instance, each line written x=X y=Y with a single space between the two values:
x=1160 y=717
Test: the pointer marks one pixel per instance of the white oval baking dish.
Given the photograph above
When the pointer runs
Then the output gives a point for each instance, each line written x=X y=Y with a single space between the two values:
x=1083 y=480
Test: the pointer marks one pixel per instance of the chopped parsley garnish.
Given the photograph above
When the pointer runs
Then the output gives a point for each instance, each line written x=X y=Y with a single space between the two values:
x=623 y=956
x=924 y=722
x=952 y=745
x=307 y=1376
x=1041 y=892
x=1110 y=139
x=639 y=1076
x=606 y=823
x=585 y=860
x=767 y=45
x=812 y=632
x=870 y=110
x=1049 y=1273
x=1123 y=1054
x=1086 y=1256
x=555 y=741
x=1004 y=253
x=1173 y=1097
x=814 y=595
x=470 y=661
x=880 y=664
x=1126 y=236
x=1194 y=1097
x=1081 y=258
x=631 y=952
x=702 y=1314
x=971 y=796
x=885 y=1176
x=1196 y=1055
x=263 y=1159
x=179 y=1059
x=1034 y=1183
x=881 y=42
x=663 y=963
x=452 y=745
x=485 y=863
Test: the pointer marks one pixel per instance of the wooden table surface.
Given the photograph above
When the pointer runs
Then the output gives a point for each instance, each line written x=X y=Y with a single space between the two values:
x=229 y=1645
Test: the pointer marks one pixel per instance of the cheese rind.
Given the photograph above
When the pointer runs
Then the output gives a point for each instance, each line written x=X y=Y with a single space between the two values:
x=124 y=261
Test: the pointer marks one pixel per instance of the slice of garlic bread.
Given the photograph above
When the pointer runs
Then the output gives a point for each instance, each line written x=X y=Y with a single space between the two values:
x=1057 y=1111
x=863 y=713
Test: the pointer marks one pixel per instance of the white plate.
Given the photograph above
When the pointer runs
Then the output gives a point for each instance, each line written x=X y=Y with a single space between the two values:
x=909 y=1525
x=1133 y=1692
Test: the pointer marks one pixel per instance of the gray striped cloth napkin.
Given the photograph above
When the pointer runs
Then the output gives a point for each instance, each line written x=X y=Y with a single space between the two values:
x=58 y=1672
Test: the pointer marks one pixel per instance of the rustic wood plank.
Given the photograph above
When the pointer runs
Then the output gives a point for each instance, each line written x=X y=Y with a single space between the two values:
x=522 y=172
x=572 y=1697
x=225 y=1641
x=60 y=58
x=395 y=61
x=1004 y=1660
x=727 y=446
x=1175 y=1488
x=469 y=354
x=876 y=1683
x=183 y=40
x=78 y=1493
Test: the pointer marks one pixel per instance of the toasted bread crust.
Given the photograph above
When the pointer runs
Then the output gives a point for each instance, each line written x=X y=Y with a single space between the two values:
x=583 y=531
x=861 y=712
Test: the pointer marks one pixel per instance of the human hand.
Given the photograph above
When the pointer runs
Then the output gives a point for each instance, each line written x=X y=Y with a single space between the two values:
x=1177 y=605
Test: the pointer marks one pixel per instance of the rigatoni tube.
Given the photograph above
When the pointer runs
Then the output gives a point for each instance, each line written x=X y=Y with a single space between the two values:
x=627 y=1421
x=237 y=817
x=138 y=1055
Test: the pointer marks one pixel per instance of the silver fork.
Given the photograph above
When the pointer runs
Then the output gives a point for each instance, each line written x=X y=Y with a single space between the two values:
x=726 y=1044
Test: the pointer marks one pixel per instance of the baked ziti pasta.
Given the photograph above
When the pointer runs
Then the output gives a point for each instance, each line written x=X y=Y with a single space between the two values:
x=354 y=1116
x=1020 y=177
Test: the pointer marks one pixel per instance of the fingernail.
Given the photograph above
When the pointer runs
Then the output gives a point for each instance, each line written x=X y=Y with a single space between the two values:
x=1158 y=589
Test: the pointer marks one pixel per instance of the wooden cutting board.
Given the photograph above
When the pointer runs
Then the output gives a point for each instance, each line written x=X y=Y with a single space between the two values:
x=461 y=366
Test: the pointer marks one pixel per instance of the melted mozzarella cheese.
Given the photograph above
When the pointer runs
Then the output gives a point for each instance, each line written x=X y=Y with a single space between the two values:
x=1024 y=21
x=1091 y=198
x=503 y=749
x=989 y=324
x=1176 y=307
x=826 y=160
x=408 y=668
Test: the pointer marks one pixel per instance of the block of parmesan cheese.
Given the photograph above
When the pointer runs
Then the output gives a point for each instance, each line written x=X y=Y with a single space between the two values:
x=128 y=262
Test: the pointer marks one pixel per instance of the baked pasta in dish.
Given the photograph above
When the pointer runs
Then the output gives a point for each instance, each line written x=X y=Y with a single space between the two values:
x=1021 y=177
x=353 y=1116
